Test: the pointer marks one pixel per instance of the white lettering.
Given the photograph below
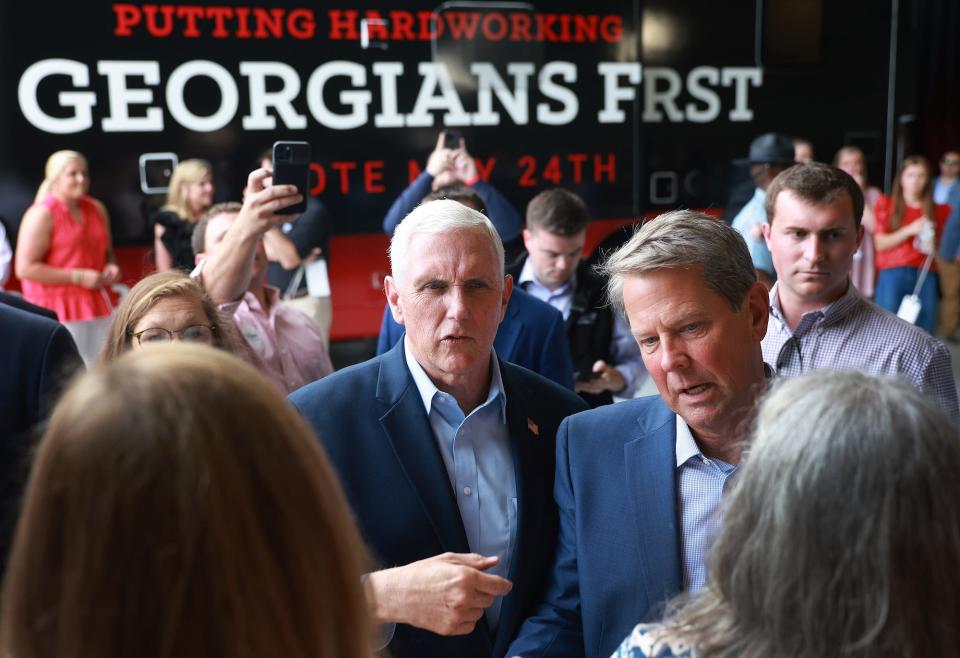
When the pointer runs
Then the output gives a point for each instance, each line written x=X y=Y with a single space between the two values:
x=358 y=100
x=82 y=102
x=569 y=103
x=436 y=77
x=514 y=102
x=710 y=75
x=613 y=93
x=389 y=116
x=741 y=77
x=229 y=96
x=122 y=97
x=665 y=98
x=281 y=100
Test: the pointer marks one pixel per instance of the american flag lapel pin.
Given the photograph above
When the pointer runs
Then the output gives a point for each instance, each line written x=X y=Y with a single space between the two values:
x=533 y=427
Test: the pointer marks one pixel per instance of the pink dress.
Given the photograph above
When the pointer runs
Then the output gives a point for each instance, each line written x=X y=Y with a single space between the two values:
x=72 y=245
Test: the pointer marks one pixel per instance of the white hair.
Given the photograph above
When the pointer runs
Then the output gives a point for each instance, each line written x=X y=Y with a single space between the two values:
x=434 y=218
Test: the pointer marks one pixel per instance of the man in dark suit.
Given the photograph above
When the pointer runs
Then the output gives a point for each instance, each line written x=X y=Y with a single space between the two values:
x=531 y=335
x=639 y=483
x=38 y=356
x=445 y=452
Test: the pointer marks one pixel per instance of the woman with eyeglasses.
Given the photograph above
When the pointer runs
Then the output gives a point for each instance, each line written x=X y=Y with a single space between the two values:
x=168 y=306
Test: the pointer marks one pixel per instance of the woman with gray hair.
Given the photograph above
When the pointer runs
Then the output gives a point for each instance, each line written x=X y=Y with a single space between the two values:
x=841 y=537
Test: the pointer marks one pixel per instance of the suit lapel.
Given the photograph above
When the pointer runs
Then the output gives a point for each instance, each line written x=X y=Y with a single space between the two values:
x=650 y=462
x=409 y=431
x=505 y=342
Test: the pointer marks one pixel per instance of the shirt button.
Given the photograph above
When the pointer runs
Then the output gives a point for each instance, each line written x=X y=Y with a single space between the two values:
x=706 y=461
x=467 y=491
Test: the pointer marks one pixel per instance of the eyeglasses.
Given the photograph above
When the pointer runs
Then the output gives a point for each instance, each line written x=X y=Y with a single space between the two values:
x=950 y=161
x=195 y=333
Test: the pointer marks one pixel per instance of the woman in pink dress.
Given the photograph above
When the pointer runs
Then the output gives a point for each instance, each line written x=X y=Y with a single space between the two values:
x=850 y=159
x=64 y=254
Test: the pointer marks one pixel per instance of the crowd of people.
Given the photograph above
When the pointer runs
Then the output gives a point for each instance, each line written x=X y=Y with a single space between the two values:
x=489 y=485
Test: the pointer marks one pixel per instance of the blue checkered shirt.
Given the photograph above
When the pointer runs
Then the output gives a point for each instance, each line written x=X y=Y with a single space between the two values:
x=701 y=483
x=853 y=333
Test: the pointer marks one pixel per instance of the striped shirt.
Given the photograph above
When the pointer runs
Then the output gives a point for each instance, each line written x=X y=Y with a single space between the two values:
x=853 y=333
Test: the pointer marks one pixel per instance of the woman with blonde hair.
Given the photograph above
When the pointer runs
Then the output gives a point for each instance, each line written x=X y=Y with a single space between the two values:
x=908 y=228
x=841 y=534
x=165 y=306
x=863 y=273
x=178 y=506
x=64 y=253
x=189 y=194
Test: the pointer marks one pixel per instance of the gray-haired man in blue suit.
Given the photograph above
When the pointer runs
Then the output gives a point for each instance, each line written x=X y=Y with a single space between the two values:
x=639 y=483
x=445 y=452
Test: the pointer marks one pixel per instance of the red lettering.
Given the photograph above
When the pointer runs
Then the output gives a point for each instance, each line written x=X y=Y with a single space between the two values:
x=577 y=160
x=413 y=170
x=545 y=27
x=611 y=28
x=127 y=16
x=488 y=31
x=243 y=24
x=343 y=24
x=462 y=25
x=521 y=27
x=585 y=28
x=527 y=178
x=430 y=28
x=484 y=169
x=272 y=20
x=219 y=14
x=301 y=24
x=321 y=179
x=552 y=171
x=190 y=14
x=372 y=176
x=565 y=27
x=376 y=27
x=151 y=13
x=609 y=168
x=402 y=26
x=344 y=168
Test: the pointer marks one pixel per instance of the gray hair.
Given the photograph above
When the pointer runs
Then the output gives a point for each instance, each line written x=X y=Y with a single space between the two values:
x=841 y=532
x=684 y=239
x=434 y=218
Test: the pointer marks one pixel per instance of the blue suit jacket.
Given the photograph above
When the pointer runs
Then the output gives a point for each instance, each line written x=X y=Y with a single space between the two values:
x=950 y=240
x=531 y=335
x=618 y=552
x=371 y=419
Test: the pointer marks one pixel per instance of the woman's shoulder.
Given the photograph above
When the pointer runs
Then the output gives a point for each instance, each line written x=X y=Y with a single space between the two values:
x=646 y=641
x=168 y=219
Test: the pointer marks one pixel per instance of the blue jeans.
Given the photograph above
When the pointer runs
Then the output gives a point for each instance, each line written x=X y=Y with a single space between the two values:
x=894 y=283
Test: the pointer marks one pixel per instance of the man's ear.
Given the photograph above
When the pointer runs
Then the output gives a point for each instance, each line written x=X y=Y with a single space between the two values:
x=393 y=298
x=507 y=291
x=860 y=234
x=767 y=229
x=758 y=305
x=527 y=237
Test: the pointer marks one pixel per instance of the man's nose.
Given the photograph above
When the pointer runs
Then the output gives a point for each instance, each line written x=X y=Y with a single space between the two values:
x=814 y=249
x=673 y=355
x=456 y=301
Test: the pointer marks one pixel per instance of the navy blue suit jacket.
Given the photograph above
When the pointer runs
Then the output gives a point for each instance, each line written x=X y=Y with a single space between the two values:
x=531 y=335
x=618 y=552
x=371 y=420
x=37 y=356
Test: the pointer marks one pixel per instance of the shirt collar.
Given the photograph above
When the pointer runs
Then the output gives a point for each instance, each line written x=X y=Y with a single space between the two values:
x=686 y=445
x=831 y=313
x=428 y=390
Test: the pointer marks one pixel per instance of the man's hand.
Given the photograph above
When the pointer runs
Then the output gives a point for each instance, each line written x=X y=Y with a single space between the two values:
x=261 y=201
x=608 y=379
x=440 y=159
x=445 y=594
x=465 y=166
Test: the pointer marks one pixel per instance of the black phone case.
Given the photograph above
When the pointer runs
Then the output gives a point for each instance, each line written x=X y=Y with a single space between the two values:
x=295 y=172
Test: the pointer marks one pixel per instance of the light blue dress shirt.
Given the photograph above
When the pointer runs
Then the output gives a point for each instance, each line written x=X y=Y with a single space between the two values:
x=753 y=215
x=701 y=483
x=624 y=352
x=476 y=453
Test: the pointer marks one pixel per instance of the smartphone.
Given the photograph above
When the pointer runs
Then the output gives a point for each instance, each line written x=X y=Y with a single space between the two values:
x=451 y=138
x=291 y=166
x=586 y=376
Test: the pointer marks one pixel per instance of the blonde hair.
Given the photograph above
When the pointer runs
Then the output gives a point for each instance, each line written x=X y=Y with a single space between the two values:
x=185 y=173
x=56 y=163
x=179 y=506
x=143 y=296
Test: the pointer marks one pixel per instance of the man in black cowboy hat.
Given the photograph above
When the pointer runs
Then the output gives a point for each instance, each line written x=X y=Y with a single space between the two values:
x=770 y=154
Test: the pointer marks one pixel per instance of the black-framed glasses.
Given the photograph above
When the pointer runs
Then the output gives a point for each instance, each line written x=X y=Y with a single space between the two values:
x=195 y=333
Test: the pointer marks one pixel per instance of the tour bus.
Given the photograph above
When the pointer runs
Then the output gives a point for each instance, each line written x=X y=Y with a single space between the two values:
x=638 y=106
